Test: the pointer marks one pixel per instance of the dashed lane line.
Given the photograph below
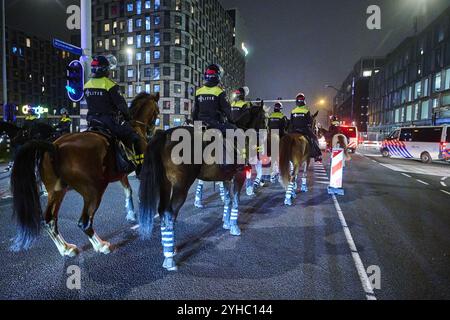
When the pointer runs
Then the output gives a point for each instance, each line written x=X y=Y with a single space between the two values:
x=406 y=175
x=423 y=182
x=443 y=184
x=446 y=192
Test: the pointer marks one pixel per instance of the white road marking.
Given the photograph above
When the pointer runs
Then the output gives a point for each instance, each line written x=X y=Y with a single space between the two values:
x=423 y=182
x=444 y=178
x=135 y=227
x=367 y=286
x=323 y=182
x=418 y=169
x=443 y=184
x=406 y=175
x=446 y=192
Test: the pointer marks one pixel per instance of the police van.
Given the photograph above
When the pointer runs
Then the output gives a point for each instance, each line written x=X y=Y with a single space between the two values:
x=424 y=143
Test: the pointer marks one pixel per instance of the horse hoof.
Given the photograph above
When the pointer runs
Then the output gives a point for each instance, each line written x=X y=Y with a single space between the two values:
x=226 y=226
x=131 y=216
x=304 y=189
x=198 y=205
x=250 y=192
x=169 y=264
x=288 y=202
x=71 y=251
x=235 y=231
x=105 y=249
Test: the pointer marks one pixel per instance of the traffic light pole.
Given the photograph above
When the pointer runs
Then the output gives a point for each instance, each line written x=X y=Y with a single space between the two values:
x=86 y=45
x=4 y=77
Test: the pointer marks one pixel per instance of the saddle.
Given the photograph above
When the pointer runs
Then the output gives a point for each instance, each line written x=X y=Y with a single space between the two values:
x=124 y=155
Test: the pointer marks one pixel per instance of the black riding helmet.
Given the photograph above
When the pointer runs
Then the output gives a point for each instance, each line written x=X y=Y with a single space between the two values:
x=100 y=67
x=278 y=107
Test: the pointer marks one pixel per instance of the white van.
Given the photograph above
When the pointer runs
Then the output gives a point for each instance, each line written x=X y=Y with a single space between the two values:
x=424 y=143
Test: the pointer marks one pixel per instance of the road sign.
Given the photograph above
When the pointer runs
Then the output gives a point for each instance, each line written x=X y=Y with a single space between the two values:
x=67 y=47
x=337 y=166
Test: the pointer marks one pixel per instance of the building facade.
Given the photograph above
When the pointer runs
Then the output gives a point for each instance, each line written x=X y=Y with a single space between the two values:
x=164 y=46
x=413 y=88
x=36 y=74
x=351 y=102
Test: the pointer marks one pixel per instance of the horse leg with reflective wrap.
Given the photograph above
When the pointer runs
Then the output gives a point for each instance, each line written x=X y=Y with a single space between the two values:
x=199 y=195
x=55 y=199
x=259 y=174
x=227 y=205
x=129 y=205
x=92 y=199
x=179 y=195
x=221 y=191
x=238 y=182
x=304 y=187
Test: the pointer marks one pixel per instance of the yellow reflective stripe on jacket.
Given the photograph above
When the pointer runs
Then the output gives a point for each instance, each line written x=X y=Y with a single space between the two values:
x=300 y=110
x=100 y=83
x=30 y=118
x=276 y=115
x=66 y=120
x=239 y=104
x=211 y=91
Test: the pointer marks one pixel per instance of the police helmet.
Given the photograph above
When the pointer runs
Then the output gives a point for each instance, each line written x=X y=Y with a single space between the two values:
x=100 y=67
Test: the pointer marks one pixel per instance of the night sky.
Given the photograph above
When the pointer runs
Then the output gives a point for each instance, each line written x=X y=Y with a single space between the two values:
x=296 y=45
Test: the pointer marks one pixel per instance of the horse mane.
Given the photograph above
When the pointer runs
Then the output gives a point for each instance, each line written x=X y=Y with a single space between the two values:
x=137 y=103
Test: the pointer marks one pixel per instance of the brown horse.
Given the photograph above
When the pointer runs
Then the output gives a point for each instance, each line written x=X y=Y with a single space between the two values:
x=165 y=185
x=294 y=153
x=337 y=140
x=85 y=162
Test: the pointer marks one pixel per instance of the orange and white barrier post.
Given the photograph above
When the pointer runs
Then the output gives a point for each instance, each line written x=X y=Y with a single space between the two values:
x=336 y=173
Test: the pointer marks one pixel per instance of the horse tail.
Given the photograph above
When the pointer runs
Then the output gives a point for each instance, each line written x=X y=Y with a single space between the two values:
x=286 y=152
x=343 y=143
x=152 y=176
x=27 y=210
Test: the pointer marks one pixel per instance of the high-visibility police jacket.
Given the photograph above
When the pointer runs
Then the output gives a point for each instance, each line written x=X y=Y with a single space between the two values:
x=211 y=105
x=301 y=118
x=29 y=122
x=103 y=98
x=278 y=121
x=238 y=108
x=65 y=120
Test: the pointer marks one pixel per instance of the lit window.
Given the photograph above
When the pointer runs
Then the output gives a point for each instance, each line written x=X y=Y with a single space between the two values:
x=157 y=20
x=156 y=74
x=157 y=54
x=177 y=88
x=138 y=56
x=157 y=4
x=130 y=7
x=157 y=40
x=130 y=25
x=130 y=40
x=156 y=88
x=138 y=41
x=138 y=89
x=147 y=23
x=437 y=82
x=28 y=41
x=147 y=57
x=367 y=73
x=148 y=5
x=99 y=43
x=106 y=44
x=130 y=90
x=138 y=7
x=147 y=87
x=138 y=23
x=113 y=42
x=447 y=79
x=130 y=73
x=147 y=39
x=106 y=28
x=418 y=90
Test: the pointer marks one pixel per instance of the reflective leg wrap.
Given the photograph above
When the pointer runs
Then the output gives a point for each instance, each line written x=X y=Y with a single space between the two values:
x=235 y=231
x=304 y=187
x=226 y=217
x=168 y=242
x=289 y=194
x=222 y=191
x=199 y=195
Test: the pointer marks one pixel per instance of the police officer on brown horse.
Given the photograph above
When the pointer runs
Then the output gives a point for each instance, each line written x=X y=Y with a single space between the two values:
x=104 y=104
x=302 y=122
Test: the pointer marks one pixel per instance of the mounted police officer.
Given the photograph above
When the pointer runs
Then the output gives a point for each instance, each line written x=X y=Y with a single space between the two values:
x=64 y=122
x=30 y=121
x=105 y=101
x=334 y=127
x=211 y=105
x=302 y=122
x=277 y=120
x=239 y=105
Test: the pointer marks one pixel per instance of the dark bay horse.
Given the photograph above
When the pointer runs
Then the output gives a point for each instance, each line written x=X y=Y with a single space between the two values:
x=86 y=163
x=165 y=186
x=19 y=136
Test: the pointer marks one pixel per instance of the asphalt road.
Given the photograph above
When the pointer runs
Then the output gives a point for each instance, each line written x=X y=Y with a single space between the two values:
x=398 y=224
